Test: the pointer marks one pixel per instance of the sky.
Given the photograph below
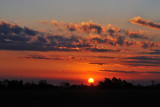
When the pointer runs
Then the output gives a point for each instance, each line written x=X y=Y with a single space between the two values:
x=78 y=39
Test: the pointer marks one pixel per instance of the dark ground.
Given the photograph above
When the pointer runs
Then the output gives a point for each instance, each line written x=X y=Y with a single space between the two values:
x=80 y=98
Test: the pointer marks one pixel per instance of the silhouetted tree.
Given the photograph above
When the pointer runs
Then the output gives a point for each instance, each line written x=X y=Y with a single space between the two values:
x=65 y=84
x=114 y=83
x=153 y=82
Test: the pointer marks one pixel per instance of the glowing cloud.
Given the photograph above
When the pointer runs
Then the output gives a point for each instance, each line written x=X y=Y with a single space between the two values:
x=140 y=21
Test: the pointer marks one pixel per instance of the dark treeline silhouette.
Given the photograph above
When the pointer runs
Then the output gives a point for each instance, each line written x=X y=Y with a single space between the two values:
x=106 y=84
x=114 y=83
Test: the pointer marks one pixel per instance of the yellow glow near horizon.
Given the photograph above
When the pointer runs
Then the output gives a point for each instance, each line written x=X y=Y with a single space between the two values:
x=91 y=80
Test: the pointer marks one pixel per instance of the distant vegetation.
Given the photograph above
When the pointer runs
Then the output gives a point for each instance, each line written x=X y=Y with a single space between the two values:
x=106 y=84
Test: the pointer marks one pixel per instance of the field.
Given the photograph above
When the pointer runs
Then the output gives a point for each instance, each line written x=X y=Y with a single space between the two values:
x=80 y=98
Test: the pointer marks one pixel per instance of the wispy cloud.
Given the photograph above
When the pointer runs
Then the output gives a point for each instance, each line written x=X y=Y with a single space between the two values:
x=118 y=71
x=41 y=57
x=153 y=51
x=105 y=57
x=153 y=58
x=140 y=21
x=102 y=50
x=50 y=57
x=98 y=63
x=138 y=34
x=131 y=72
x=143 y=61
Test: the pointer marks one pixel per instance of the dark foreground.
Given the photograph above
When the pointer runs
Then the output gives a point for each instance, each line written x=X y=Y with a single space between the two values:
x=80 y=98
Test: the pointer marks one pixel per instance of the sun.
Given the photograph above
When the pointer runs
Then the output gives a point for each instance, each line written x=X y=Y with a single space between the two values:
x=91 y=80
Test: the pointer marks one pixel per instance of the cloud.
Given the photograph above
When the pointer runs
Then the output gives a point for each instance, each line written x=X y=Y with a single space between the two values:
x=50 y=57
x=143 y=61
x=41 y=57
x=54 y=22
x=118 y=41
x=104 y=57
x=108 y=35
x=121 y=41
x=117 y=71
x=98 y=63
x=15 y=37
x=44 y=21
x=138 y=34
x=154 y=58
x=153 y=51
x=131 y=72
x=101 y=50
x=13 y=29
x=140 y=21
x=85 y=27
x=148 y=44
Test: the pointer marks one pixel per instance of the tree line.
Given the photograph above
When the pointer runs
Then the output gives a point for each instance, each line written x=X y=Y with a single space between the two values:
x=108 y=83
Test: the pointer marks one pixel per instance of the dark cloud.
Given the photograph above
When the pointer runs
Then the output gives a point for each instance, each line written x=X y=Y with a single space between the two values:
x=36 y=57
x=117 y=71
x=41 y=57
x=120 y=40
x=136 y=35
x=71 y=27
x=154 y=58
x=153 y=51
x=72 y=42
x=98 y=63
x=29 y=31
x=101 y=50
x=143 y=61
x=138 y=20
x=105 y=57
x=9 y=28
x=107 y=35
x=15 y=37
x=41 y=43
x=114 y=42
x=148 y=44
x=50 y=57
x=124 y=38
x=85 y=27
x=131 y=72
x=98 y=40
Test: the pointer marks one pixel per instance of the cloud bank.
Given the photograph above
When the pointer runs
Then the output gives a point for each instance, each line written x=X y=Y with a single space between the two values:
x=87 y=36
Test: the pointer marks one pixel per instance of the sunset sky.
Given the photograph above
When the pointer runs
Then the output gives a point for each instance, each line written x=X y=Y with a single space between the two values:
x=79 y=39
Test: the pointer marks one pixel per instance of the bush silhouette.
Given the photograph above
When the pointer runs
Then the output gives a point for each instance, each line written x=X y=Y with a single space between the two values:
x=114 y=83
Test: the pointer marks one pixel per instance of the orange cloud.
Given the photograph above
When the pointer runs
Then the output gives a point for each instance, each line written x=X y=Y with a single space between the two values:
x=140 y=21
x=138 y=34
x=86 y=27
x=15 y=37
x=54 y=22
x=43 y=21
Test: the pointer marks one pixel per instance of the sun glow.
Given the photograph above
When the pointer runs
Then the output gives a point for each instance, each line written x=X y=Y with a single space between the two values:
x=91 y=80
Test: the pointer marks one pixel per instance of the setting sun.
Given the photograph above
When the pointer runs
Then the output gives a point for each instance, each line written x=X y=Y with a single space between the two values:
x=91 y=80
